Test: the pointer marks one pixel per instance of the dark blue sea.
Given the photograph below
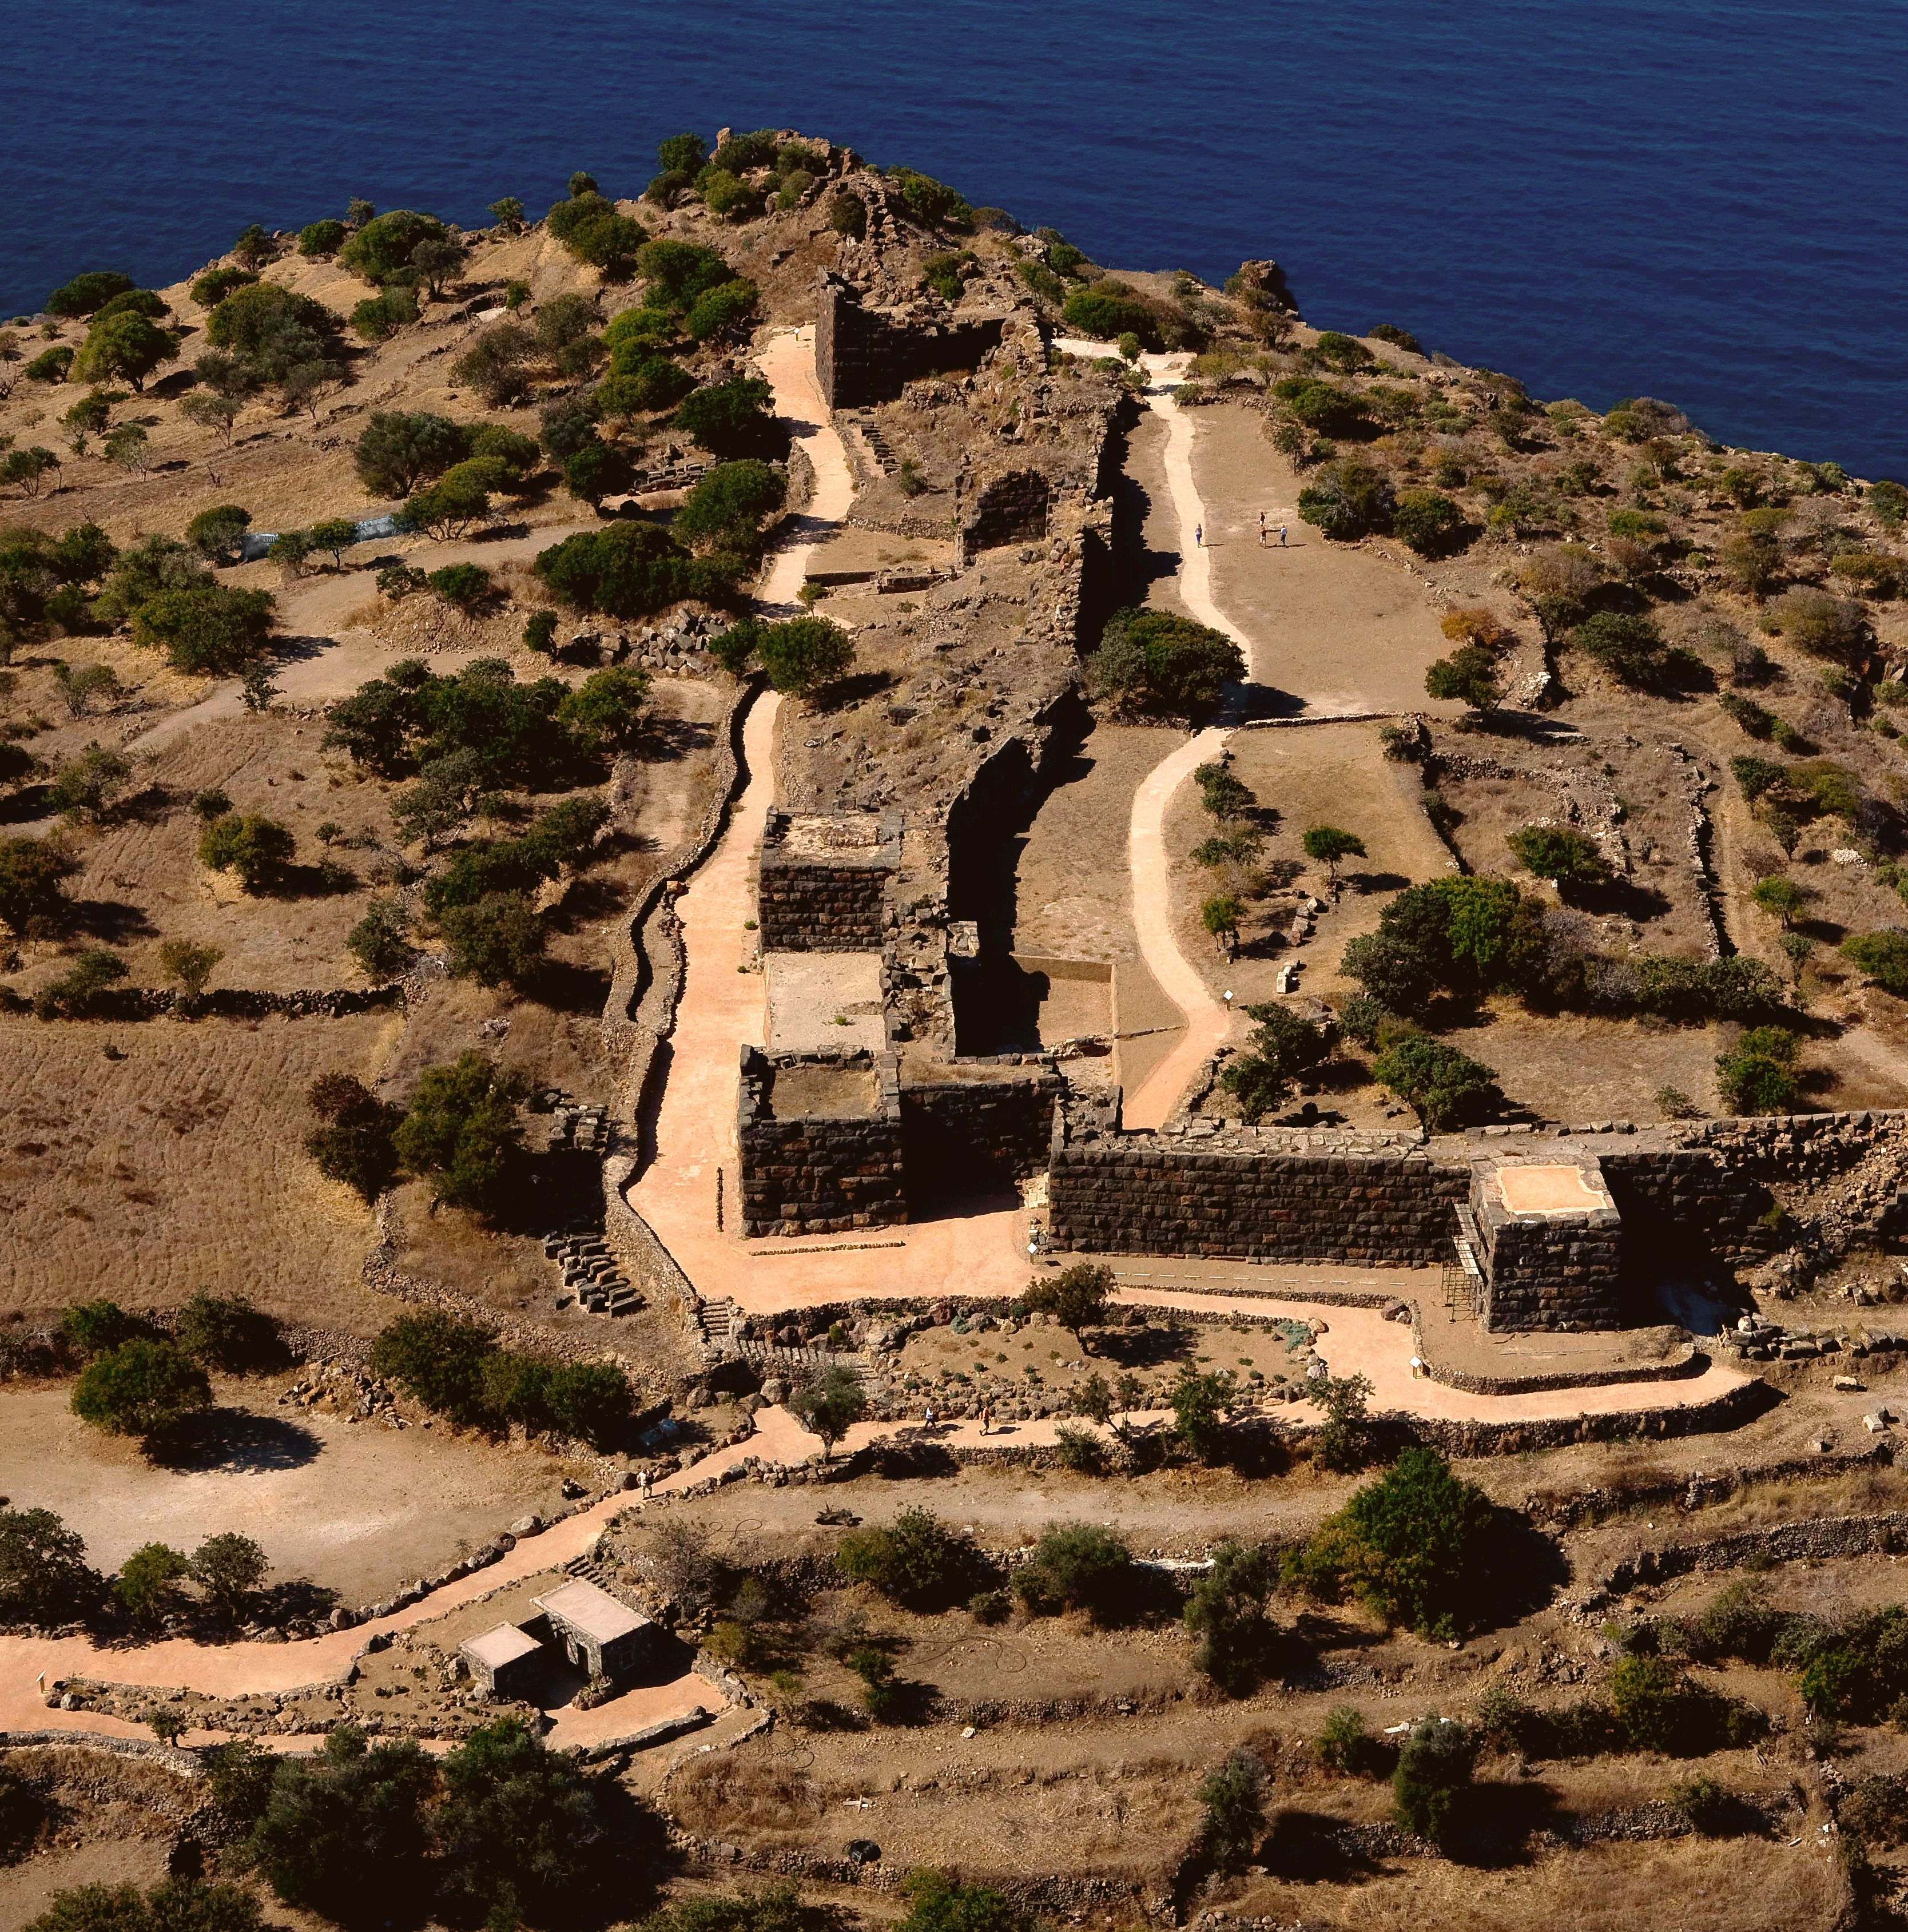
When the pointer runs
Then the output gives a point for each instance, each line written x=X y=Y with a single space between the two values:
x=1697 y=199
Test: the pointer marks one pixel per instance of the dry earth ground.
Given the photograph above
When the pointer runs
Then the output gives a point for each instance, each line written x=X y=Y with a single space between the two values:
x=355 y=1507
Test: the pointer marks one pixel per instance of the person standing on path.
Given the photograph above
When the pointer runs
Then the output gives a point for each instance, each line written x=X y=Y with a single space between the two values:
x=927 y=1419
x=1261 y=530
x=987 y=1418
x=1198 y=536
x=1282 y=536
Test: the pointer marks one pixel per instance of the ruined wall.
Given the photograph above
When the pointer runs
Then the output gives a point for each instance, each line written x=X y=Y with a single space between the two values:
x=1145 y=1194
x=1012 y=509
x=836 y=902
x=866 y=355
x=960 y=1136
x=818 y=1174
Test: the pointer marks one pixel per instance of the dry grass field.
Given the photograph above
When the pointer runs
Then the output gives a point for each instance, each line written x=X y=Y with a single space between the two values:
x=150 y=1162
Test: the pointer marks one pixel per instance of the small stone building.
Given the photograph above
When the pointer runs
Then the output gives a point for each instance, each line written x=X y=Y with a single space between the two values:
x=503 y=1660
x=1550 y=1241
x=599 y=1633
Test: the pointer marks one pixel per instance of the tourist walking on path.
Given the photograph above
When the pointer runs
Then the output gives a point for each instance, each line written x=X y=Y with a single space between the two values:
x=927 y=1419
x=1261 y=530
x=1198 y=536
x=1282 y=536
x=987 y=1418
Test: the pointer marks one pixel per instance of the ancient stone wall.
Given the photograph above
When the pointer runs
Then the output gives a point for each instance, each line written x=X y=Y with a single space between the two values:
x=1146 y=1194
x=866 y=356
x=1012 y=509
x=819 y=1174
x=1560 y=1274
x=834 y=900
x=960 y=1136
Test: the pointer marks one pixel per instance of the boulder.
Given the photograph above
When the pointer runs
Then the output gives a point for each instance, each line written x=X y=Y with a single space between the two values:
x=527 y=1526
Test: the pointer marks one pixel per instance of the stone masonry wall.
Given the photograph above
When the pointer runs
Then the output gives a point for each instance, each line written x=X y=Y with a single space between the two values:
x=864 y=355
x=1011 y=509
x=959 y=1135
x=1136 y=1195
x=1560 y=1274
x=818 y=1175
x=808 y=902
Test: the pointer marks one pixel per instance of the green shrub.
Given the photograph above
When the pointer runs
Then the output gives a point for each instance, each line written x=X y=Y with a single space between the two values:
x=1347 y=500
x=142 y=1387
x=1346 y=1747
x=88 y=293
x=1233 y=1807
x=322 y=239
x=461 y=1130
x=1443 y=1086
x=226 y=1333
x=1757 y=1075
x=1076 y=1566
x=731 y=418
x=465 y=585
x=1410 y=1546
x=1431 y=523
x=917 y=1561
x=256 y=848
x=803 y=654
x=1566 y=857
x=1226 y=1612
x=1322 y=406
x=1434 y=1767
x=1154 y=660
x=1883 y=956
x=1109 y=310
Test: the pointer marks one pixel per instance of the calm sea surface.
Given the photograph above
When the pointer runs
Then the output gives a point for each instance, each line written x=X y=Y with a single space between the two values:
x=1698 y=200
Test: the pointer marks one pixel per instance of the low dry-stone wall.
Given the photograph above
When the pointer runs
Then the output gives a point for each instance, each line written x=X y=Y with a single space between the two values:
x=1247 y=1195
x=1811 y=1541
x=127 y=1005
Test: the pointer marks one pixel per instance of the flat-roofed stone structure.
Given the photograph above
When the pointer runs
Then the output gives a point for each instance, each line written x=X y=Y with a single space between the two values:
x=822 y=879
x=1550 y=1244
x=504 y=1660
x=599 y=1633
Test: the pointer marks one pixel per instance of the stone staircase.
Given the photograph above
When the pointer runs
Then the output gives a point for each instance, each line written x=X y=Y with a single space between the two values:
x=592 y=1569
x=720 y=1322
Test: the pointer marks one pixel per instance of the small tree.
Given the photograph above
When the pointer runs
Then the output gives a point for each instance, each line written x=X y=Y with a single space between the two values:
x=1560 y=854
x=143 y=1387
x=218 y=533
x=226 y=1333
x=540 y=631
x=1078 y=1297
x=1075 y=1566
x=829 y=1406
x=1233 y=1805
x=519 y=1828
x=377 y=941
x=43 y=1576
x=1199 y=1404
x=1782 y=898
x=804 y=653
x=1220 y=915
x=462 y=1131
x=189 y=965
x=1434 y=1766
x=1441 y=1085
x=1326 y=845
x=335 y=534
x=344 y=1835
x=1285 y=1047
x=145 y=1584
x=1344 y=1443
x=1226 y=1612
x=917 y=1561
x=507 y=211
x=1757 y=1075
x=229 y=1567
x=256 y=848
x=1883 y=956
x=500 y=940
x=1469 y=676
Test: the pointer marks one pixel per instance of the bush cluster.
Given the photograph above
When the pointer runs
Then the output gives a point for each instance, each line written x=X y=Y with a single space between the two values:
x=456 y=1368
x=1154 y=662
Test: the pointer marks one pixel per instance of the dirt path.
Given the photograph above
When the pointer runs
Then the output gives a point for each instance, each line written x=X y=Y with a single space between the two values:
x=722 y=1009
x=1208 y=1020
